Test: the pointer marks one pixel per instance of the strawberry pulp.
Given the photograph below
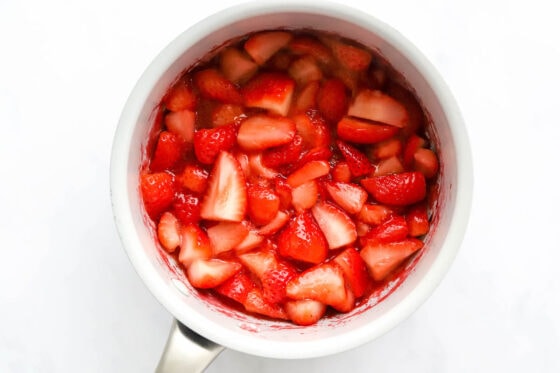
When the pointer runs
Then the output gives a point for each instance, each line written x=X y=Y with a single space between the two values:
x=291 y=175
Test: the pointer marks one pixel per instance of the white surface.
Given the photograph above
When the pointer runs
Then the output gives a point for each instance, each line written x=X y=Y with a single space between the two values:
x=70 y=300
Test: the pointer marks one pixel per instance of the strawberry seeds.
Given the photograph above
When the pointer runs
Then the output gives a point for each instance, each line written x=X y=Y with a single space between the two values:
x=290 y=173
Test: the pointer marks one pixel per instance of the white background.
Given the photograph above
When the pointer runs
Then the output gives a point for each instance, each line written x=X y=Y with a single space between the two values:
x=71 y=302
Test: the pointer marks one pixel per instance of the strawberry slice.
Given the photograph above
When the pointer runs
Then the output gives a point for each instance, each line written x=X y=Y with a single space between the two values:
x=306 y=99
x=387 y=166
x=397 y=189
x=209 y=142
x=259 y=262
x=263 y=45
x=374 y=214
x=256 y=303
x=168 y=232
x=355 y=270
x=284 y=191
x=386 y=149
x=313 y=130
x=309 y=171
x=226 y=235
x=341 y=172
x=250 y=242
x=168 y=152
x=305 y=312
x=207 y=274
x=214 y=86
x=158 y=192
x=274 y=282
x=357 y=161
x=283 y=155
x=417 y=220
x=305 y=195
x=269 y=91
x=426 y=161
x=303 y=240
x=237 y=287
x=363 y=132
x=236 y=66
x=225 y=114
x=180 y=97
x=349 y=196
x=338 y=228
x=186 y=208
x=383 y=258
x=276 y=224
x=413 y=143
x=351 y=57
x=263 y=204
x=304 y=70
x=332 y=100
x=194 y=178
x=194 y=245
x=393 y=229
x=258 y=169
x=181 y=123
x=378 y=107
x=260 y=132
x=305 y=45
x=226 y=197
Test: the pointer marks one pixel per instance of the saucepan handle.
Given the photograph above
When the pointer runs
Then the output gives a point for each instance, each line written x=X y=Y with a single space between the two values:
x=186 y=351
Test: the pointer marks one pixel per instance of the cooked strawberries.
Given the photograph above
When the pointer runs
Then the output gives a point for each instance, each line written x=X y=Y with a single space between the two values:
x=289 y=174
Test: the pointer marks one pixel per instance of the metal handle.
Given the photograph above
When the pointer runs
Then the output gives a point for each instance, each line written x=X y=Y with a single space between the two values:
x=186 y=351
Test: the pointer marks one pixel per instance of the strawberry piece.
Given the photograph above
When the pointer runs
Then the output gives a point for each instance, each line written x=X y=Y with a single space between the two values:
x=284 y=191
x=351 y=57
x=226 y=235
x=355 y=270
x=186 y=208
x=386 y=149
x=304 y=70
x=237 y=287
x=181 y=123
x=363 y=132
x=269 y=91
x=251 y=241
x=256 y=303
x=263 y=45
x=305 y=312
x=195 y=244
x=313 y=130
x=303 y=240
x=413 y=143
x=274 y=282
x=413 y=108
x=236 y=66
x=275 y=225
x=167 y=153
x=393 y=229
x=258 y=169
x=426 y=161
x=387 y=166
x=374 y=214
x=357 y=161
x=306 y=99
x=309 y=171
x=417 y=221
x=263 y=204
x=283 y=155
x=350 y=197
x=180 y=97
x=338 y=228
x=168 y=232
x=214 y=86
x=259 y=262
x=194 y=178
x=260 y=132
x=305 y=195
x=332 y=100
x=225 y=114
x=341 y=172
x=304 y=45
x=378 y=107
x=383 y=258
x=158 y=192
x=226 y=197
x=207 y=274
x=397 y=189
x=209 y=142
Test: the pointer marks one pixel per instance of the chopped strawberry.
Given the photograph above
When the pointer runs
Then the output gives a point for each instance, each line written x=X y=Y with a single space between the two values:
x=226 y=197
x=350 y=197
x=259 y=262
x=304 y=45
x=269 y=91
x=355 y=271
x=225 y=114
x=158 y=192
x=304 y=70
x=303 y=240
x=413 y=143
x=207 y=274
x=338 y=228
x=195 y=244
x=280 y=61
x=283 y=155
x=274 y=282
x=256 y=303
x=263 y=45
x=226 y=235
x=284 y=191
x=168 y=232
x=236 y=66
x=332 y=99
x=387 y=166
x=168 y=152
x=306 y=99
x=426 y=161
x=251 y=241
x=393 y=229
x=401 y=189
x=305 y=195
x=276 y=224
x=180 y=97
x=263 y=204
x=181 y=123
x=417 y=220
x=357 y=161
x=363 y=132
x=350 y=78
x=383 y=258
x=214 y=86
x=237 y=287
x=313 y=130
x=378 y=107
x=351 y=57
x=386 y=149
x=412 y=105
x=309 y=171
x=194 y=178
x=305 y=312
x=362 y=228
x=258 y=169
x=260 y=132
x=374 y=214
x=209 y=142
x=341 y=172
x=186 y=208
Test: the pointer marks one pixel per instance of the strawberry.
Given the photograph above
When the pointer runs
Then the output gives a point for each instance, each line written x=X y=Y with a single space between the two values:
x=275 y=225
x=387 y=166
x=263 y=45
x=305 y=312
x=226 y=197
x=332 y=100
x=209 y=142
x=269 y=91
x=237 y=287
x=401 y=189
x=167 y=153
x=417 y=220
x=312 y=155
x=303 y=240
x=158 y=192
x=180 y=97
x=259 y=262
x=251 y=241
x=351 y=57
x=207 y=274
x=354 y=269
x=412 y=105
x=181 y=123
x=186 y=208
x=306 y=99
x=357 y=161
x=226 y=235
x=363 y=132
x=168 y=232
x=426 y=161
x=413 y=143
x=338 y=228
x=393 y=229
x=195 y=244
x=386 y=149
x=214 y=86
x=255 y=302
x=349 y=196
x=304 y=70
x=374 y=214
x=260 y=132
x=378 y=107
x=258 y=169
x=274 y=282
x=262 y=204
x=284 y=192
x=313 y=130
x=305 y=195
x=341 y=172
x=194 y=178
x=236 y=66
x=309 y=171
x=225 y=114
x=283 y=155
x=383 y=258
x=304 y=45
